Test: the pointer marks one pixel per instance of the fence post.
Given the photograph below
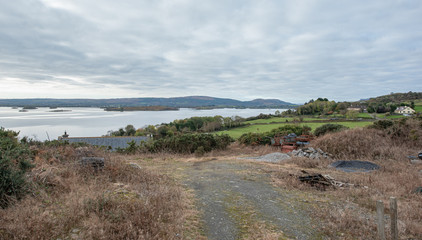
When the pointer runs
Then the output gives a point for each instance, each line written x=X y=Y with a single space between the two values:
x=393 y=217
x=380 y=217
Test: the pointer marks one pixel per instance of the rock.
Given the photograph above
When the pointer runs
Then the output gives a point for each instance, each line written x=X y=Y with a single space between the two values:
x=95 y=162
x=134 y=165
x=310 y=152
x=415 y=161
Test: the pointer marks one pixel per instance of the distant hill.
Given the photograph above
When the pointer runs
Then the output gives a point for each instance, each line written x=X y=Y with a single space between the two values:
x=396 y=98
x=177 y=102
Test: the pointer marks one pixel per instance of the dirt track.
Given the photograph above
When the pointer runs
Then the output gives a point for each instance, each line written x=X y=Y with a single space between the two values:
x=237 y=199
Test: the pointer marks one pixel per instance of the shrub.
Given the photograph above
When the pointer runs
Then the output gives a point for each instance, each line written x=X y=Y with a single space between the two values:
x=287 y=129
x=254 y=139
x=14 y=162
x=382 y=124
x=265 y=138
x=189 y=143
x=327 y=128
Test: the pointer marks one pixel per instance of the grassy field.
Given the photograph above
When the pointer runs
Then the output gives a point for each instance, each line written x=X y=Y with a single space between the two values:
x=364 y=115
x=394 y=116
x=281 y=119
x=418 y=106
x=237 y=132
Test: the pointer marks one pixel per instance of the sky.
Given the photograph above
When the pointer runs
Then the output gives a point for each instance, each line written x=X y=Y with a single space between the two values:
x=242 y=49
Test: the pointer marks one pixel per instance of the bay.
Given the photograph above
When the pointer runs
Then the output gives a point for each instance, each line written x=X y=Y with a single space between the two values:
x=43 y=124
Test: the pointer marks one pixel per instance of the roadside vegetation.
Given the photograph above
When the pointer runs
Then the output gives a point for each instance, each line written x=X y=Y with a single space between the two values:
x=62 y=199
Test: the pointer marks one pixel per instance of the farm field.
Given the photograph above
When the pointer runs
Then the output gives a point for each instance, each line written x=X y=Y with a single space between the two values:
x=259 y=128
x=364 y=115
x=282 y=119
x=418 y=108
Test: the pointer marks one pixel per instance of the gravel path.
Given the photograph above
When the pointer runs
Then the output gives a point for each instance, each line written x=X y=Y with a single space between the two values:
x=271 y=157
x=229 y=192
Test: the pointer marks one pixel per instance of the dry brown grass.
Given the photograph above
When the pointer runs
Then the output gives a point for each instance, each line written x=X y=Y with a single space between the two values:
x=118 y=202
x=350 y=212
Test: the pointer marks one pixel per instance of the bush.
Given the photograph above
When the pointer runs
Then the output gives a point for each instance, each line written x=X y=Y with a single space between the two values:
x=189 y=143
x=327 y=128
x=382 y=124
x=14 y=162
x=287 y=129
x=254 y=139
x=265 y=138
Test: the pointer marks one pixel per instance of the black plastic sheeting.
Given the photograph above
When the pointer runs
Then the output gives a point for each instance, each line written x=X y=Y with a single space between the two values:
x=355 y=166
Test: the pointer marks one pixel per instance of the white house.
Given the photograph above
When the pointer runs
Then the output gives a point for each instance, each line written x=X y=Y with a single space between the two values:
x=404 y=110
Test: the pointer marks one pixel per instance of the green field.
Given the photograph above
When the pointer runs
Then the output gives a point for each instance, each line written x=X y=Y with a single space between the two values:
x=364 y=115
x=394 y=116
x=418 y=108
x=237 y=132
x=281 y=120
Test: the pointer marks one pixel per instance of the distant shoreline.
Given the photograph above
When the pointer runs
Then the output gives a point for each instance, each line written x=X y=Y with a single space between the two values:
x=141 y=108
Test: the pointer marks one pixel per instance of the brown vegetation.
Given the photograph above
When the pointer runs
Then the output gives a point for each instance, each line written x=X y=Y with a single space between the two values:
x=349 y=213
x=121 y=201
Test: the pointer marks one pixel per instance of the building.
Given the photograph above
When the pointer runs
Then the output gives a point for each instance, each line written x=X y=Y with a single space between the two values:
x=112 y=143
x=404 y=110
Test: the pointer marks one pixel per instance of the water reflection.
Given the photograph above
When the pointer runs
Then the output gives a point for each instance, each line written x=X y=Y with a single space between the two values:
x=88 y=122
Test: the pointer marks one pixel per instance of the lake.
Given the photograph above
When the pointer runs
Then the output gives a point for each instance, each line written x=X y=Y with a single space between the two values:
x=42 y=123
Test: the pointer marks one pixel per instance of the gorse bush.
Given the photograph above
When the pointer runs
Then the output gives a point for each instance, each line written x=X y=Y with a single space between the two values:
x=265 y=138
x=327 y=128
x=189 y=143
x=14 y=162
x=254 y=139
x=382 y=124
x=287 y=129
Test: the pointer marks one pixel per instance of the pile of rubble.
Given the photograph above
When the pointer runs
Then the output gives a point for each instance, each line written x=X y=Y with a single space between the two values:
x=323 y=181
x=311 y=153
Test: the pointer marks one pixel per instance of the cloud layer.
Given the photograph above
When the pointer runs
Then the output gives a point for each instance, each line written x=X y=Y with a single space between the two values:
x=290 y=50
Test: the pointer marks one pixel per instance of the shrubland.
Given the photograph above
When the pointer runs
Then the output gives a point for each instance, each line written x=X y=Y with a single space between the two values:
x=350 y=210
x=66 y=200
x=15 y=161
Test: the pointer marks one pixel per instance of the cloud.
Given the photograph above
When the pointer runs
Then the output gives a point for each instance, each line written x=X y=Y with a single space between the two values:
x=289 y=50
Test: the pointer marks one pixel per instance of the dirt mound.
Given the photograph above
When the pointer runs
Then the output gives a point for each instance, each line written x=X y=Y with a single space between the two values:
x=355 y=166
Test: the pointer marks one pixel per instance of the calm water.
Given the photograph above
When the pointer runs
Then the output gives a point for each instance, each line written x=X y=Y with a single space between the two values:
x=90 y=122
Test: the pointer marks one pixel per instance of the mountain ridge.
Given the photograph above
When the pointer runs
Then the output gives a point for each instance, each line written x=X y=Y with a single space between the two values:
x=180 y=102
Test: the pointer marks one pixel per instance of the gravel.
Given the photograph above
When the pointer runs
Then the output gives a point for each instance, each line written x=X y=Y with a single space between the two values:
x=355 y=166
x=311 y=153
x=275 y=157
x=227 y=189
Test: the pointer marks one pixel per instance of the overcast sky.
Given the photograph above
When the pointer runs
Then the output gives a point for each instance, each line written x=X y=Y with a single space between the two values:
x=289 y=50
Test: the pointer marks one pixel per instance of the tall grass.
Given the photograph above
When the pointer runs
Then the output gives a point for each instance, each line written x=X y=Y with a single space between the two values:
x=387 y=146
x=121 y=201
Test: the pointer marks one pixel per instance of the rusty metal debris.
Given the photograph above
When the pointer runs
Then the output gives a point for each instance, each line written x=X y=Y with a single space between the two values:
x=320 y=180
x=291 y=142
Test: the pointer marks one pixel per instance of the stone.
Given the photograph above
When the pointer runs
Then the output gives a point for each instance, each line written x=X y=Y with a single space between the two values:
x=134 y=165
x=95 y=162
x=415 y=161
